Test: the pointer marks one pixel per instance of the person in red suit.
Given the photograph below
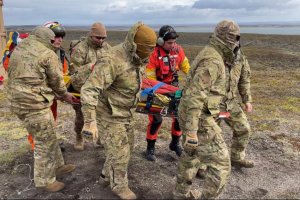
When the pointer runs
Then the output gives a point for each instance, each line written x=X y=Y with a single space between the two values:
x=165 y=61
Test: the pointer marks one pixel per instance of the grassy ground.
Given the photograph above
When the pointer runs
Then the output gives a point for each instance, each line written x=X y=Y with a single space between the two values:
x=275 y=65
x=275 y=82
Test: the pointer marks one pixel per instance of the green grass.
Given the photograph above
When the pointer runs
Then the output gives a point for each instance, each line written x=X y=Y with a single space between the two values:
x=7 y=157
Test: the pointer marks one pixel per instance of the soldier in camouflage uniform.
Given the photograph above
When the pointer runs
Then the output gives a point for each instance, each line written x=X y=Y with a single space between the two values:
x=84 y=55
x=34 y=78
x=202 y=138
x=238 y=82
x=60 y=33
x=110 y=96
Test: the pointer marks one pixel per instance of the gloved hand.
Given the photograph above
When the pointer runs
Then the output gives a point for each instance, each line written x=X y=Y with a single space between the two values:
x=89 y=131
x=191 y=141
x=68 y=97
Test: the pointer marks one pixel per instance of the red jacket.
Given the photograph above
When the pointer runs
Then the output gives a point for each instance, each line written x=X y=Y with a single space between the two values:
x=162 y=65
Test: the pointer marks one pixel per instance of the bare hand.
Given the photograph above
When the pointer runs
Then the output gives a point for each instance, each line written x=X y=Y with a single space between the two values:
x=69 y=98
x=248 y=107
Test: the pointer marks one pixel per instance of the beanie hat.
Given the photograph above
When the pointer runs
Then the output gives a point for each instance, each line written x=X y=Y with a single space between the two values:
x=145 y=38
x=98 y=30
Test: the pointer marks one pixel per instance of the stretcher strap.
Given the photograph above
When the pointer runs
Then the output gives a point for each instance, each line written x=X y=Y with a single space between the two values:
x=149 y=91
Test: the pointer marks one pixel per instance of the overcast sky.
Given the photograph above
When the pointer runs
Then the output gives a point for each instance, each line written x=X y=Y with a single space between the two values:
x=127 y=12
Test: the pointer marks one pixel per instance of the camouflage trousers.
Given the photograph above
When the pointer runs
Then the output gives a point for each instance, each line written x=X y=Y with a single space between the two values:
x=47 y=154
x=241 y=129
x=118 y=141
x=212 y=152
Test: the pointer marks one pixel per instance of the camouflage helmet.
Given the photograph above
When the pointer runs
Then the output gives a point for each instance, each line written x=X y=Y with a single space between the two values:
x=57 y=28
x=229 y=32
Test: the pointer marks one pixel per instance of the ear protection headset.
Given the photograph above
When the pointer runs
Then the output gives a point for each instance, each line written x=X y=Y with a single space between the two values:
x=160 y=40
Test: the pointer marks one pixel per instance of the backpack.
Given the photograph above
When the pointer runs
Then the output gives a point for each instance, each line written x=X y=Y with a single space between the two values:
x=74 y=43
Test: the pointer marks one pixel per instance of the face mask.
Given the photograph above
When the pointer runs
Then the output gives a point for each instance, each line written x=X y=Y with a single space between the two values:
x=237 y=48
x=233 y=41
x=144 y=51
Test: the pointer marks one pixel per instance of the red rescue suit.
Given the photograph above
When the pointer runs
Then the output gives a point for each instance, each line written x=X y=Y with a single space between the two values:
x=163 y=66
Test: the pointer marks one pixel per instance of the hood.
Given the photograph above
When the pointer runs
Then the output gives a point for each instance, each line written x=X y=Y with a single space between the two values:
x=44 y=35
x=130 y=45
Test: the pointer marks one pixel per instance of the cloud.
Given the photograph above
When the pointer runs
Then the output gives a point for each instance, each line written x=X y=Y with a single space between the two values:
x=126 y=12
x=244 y=4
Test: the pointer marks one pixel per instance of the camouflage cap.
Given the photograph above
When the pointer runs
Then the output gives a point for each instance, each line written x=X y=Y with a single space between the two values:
x=228 y=31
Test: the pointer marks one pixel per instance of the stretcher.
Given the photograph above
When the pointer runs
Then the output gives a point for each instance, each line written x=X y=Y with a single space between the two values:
x=158 y=98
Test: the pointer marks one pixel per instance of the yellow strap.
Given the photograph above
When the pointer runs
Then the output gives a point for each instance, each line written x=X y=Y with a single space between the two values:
x=162 y=98
x=75 y=94
x=67 y=80
x=141 y=104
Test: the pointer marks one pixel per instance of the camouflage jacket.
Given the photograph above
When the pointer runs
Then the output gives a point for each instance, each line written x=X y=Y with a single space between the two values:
x=34 y=73
x=205 y=85
x=83 y=56
x=113 y=86
x=238 y=81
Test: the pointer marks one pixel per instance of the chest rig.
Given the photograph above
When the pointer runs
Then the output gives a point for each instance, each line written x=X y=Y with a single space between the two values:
x=167 y=71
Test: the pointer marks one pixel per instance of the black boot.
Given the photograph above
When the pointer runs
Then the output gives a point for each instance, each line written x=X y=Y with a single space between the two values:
x=150 y=153
x=174 y=145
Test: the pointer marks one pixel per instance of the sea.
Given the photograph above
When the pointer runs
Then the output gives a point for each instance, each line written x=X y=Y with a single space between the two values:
x=274 y=30
x=256 y=29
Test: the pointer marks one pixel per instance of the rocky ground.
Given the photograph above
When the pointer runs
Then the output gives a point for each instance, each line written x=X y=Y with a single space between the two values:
x=274 y=146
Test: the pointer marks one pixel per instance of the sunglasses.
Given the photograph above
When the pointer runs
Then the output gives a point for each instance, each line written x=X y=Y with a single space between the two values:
x=62 y=35
x=100 y=38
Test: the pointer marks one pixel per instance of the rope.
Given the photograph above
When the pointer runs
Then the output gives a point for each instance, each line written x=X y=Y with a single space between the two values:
x=31 y=180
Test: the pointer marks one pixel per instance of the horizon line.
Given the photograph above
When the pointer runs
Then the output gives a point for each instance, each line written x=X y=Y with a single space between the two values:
x=208 y=24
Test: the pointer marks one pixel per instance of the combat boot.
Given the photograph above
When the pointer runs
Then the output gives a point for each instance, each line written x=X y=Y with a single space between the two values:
x=242 y=163
x=192 y=194
x=200 y=173
x=103 y=180
x=174 y=145
x=54 y=187
x=99 y=144
x=79 y=143
x=125 y=194
x=64 y=169
x=150 y=153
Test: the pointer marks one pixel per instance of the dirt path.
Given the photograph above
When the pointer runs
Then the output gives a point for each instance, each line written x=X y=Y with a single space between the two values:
x=274 y=176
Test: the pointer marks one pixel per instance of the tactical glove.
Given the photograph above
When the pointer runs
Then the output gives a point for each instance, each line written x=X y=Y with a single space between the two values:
x=89 y=131
x=191 y=141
